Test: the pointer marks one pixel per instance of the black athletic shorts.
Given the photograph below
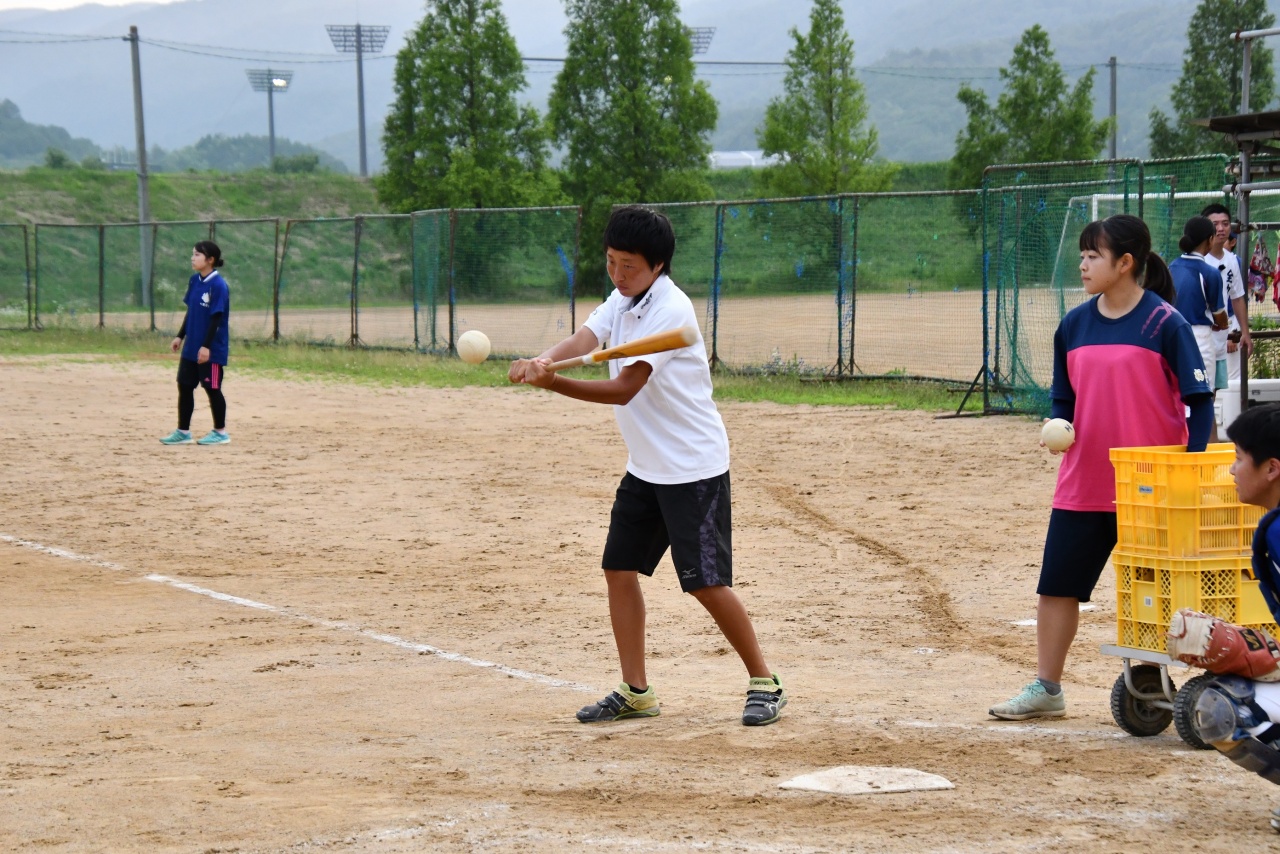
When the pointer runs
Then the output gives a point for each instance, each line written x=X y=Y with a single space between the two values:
x=192 y=374
x=1076 y=550
x=693 y=519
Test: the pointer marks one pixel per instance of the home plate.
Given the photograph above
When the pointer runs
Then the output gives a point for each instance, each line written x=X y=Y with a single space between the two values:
x=867 y=780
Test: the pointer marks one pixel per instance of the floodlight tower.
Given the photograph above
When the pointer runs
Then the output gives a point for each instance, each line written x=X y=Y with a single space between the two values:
x=359 y=40
x=701 y=38
x=271 y=81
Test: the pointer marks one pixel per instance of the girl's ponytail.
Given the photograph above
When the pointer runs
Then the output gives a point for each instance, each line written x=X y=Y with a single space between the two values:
x=1158 y=279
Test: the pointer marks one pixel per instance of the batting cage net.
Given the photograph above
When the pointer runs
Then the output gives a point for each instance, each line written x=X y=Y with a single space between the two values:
x=1032 y=218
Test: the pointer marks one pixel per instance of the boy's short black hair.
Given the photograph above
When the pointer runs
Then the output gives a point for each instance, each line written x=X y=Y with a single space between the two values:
x=1215 y=208
x=1256 y=431
x=644 y=232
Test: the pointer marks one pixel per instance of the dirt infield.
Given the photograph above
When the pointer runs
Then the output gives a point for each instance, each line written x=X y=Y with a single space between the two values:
x=365 y=626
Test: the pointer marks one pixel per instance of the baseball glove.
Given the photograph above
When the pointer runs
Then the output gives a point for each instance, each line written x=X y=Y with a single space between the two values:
x=1202 y=640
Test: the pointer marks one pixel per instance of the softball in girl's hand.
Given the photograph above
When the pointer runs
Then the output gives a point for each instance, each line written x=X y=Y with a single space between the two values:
x=473 y=346
x=1057 y=434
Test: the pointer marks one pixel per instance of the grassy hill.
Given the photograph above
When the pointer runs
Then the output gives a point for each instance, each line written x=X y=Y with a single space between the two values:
x=89 y=196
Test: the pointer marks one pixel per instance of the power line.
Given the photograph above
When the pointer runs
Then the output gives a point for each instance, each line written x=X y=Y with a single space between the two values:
x=951 y=72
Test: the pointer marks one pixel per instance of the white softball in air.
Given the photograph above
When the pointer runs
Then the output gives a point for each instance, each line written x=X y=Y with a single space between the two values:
x=473 y=346
x=1057 y=434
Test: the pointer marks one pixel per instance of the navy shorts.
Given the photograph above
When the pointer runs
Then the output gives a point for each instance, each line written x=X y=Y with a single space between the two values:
x=192 y=374
x=693 y=519
x=1076 y=550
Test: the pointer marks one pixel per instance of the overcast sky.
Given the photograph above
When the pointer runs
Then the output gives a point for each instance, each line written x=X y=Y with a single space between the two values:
x=67 y=4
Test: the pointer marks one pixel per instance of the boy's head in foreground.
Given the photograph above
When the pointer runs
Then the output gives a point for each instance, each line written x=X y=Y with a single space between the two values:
x=638 y=245
x=1256 y=434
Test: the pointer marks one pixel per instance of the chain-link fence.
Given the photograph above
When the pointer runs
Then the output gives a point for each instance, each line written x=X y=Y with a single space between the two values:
x=16 y=298
x=964 y=286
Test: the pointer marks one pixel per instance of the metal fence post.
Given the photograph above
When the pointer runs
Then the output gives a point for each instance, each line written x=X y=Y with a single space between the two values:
x=715 y=288
x=31 y=296
x=355 y=285
x=853 y=287
x=573 y=281
x=151 y=275
x=102 y=277
x=453 y=297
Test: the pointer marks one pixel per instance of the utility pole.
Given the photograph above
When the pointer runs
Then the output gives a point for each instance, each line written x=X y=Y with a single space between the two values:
x=358 y=40
x=1114 y=130
x=144 y=190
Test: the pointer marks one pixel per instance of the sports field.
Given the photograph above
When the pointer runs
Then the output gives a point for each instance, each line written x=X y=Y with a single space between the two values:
x=366 y=624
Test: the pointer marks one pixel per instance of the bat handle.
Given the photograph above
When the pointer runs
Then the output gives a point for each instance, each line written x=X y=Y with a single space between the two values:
x=575 y=362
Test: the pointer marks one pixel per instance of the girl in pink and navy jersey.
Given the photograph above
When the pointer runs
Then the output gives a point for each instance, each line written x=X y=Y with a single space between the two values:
x=1126 y=367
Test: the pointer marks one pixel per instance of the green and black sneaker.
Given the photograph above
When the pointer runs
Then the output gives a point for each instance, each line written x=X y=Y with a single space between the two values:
x=621 y=704
x=765 y=699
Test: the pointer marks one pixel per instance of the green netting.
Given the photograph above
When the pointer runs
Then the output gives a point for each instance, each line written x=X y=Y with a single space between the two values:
x=1173 y=191
x=383 y=314
x=693 y=266
x=172 y=243
x=780 y=264
x=317 y=272
x=913 y=296
x=250 y=248
x=430 y=234
x=15 y=281
x=67 y=275
x=124 y=302
x=512 y=275
x=1032 y=214
x=928 y=284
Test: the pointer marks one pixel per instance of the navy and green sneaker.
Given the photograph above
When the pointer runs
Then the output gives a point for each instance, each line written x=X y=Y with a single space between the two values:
x=765 y=699
x=620 y=705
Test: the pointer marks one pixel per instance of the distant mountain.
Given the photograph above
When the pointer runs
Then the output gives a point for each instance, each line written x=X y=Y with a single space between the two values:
x=24 y=144
x=912 y=55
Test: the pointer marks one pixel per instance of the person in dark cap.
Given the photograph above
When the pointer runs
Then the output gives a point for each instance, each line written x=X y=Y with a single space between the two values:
x=1198 y=293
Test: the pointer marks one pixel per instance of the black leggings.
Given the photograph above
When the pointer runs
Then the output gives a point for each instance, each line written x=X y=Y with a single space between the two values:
x=187 y=405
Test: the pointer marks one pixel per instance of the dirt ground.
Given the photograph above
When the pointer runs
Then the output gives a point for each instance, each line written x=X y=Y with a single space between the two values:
x=366 y=624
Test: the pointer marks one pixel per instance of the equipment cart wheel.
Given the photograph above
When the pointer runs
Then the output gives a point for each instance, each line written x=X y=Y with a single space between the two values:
x=1139 y=701
x=1184 y=708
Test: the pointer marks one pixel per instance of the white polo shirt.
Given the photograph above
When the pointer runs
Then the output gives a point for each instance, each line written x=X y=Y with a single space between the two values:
x=1232 y=288
x=672 y=428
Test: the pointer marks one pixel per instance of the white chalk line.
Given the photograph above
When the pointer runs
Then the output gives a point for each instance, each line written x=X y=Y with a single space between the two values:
x=383 y=637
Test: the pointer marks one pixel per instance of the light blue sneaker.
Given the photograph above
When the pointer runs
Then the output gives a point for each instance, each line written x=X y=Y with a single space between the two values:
x=1033 y=702
x=213 y=437
x=178 y=437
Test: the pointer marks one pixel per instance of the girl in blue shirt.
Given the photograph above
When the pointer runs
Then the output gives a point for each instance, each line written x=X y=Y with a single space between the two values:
x=204 y=342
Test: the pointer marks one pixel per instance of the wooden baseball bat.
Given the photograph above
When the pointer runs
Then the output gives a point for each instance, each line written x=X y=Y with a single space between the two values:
x=672 y=339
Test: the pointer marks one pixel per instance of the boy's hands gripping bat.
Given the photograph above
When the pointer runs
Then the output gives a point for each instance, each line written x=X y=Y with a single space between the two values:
x=672 y=339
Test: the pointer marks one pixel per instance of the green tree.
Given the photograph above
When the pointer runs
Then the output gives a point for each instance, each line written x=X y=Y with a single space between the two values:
x=634 y=123
x=816 y=127
x=456 y=137
x=1036 y=119
x=1211 y=83
x=56 y=158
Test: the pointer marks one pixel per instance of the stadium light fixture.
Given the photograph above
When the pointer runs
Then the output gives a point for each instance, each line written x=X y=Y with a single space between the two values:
x=271 y=81
x=701 y=38
x=358 y=39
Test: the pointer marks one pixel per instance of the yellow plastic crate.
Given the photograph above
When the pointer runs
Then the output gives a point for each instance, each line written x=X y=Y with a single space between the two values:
x=1150 y=589
x=1171 y=503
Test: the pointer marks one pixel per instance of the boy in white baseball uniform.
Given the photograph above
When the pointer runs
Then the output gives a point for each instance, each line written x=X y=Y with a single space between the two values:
x=675 y=493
